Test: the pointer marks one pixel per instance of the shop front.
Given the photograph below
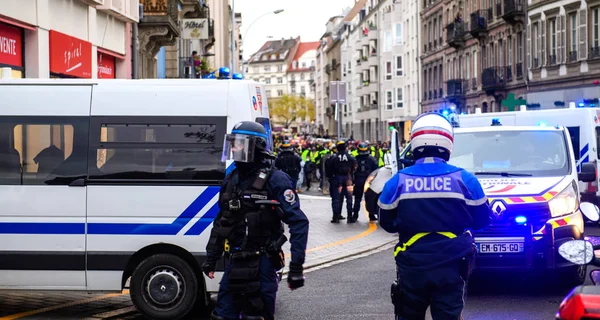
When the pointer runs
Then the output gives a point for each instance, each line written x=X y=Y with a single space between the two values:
x=12 y=50
x=70 y=57
x=106 y=66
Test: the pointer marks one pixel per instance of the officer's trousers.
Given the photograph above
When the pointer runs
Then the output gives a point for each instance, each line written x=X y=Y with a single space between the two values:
x=339 y=190
x=359 y=189
x=442 y=289
x=226 y=301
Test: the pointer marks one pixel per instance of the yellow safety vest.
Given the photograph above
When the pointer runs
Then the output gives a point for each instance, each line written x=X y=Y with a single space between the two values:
x=418 y=236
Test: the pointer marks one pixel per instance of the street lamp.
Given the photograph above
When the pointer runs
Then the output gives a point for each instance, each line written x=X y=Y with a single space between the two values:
x=278 y=11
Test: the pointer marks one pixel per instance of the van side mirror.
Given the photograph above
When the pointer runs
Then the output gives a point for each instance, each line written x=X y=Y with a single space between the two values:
x=588 y=172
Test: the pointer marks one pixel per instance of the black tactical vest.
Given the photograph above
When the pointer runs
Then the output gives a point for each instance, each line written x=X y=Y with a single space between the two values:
x=246 y=225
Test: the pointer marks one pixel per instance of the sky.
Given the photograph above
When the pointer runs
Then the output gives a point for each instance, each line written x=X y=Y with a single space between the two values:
x=304 y=18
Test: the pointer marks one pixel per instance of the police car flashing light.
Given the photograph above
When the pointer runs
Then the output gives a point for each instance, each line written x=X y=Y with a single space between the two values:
x=521 y=220
x=496 y=122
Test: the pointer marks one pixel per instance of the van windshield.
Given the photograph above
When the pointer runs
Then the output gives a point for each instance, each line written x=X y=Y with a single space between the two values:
x=534 y=153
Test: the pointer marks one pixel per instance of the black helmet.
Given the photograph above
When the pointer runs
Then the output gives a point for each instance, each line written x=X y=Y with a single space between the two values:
x=247 y=140
x=363 y=148
x=341 y=145
x=286 y=146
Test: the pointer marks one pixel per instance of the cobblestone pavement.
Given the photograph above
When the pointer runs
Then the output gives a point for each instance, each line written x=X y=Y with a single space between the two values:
x=327 y=242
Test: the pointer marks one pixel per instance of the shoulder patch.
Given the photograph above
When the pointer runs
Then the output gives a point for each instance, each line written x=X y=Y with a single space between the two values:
x=289 y=196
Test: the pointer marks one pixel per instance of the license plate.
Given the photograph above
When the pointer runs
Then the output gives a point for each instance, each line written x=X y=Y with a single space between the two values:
x=500 y=247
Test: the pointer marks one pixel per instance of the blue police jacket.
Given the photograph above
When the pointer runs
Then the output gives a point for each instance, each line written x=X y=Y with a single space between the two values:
x=433 y=196
x=279 y=187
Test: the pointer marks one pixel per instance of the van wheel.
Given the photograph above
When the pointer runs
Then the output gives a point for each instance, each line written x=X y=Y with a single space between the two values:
x=573 y=276
x=164 y=287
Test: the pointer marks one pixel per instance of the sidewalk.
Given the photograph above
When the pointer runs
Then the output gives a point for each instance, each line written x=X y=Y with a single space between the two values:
x=328 y=241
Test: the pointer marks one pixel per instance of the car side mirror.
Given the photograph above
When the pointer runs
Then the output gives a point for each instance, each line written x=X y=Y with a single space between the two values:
x=588 y=172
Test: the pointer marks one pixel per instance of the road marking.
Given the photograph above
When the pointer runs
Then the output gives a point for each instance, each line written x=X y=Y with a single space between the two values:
x=371 y=229
x=309 y=197
x=112 y=314
x=61 y=306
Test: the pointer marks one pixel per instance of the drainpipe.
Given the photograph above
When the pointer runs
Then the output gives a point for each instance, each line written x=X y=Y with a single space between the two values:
x=134 y=42
x=524 y=54
x=417 y=58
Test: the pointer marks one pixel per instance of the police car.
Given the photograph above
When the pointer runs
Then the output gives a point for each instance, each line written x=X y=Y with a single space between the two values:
x=530 y=177
x=105 y=181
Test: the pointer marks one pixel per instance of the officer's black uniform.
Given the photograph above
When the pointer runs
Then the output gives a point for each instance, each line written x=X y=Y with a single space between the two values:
x=366 y=165
x=289 y=162
x=340 y=170
x=253 y=202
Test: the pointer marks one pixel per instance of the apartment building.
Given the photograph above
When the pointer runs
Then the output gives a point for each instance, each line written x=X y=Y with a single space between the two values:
x=269 y=65
x=472 y=54
x=301 y=78
x=564 y=61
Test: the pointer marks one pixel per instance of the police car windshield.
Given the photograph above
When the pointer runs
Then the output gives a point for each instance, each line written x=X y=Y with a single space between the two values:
x=531 y=153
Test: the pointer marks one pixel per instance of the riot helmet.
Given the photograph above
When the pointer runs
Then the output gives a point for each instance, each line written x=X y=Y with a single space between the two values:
x=363 y=149
x=286 y=146
x=246 y=143
x=432 y=135
x=341 y=146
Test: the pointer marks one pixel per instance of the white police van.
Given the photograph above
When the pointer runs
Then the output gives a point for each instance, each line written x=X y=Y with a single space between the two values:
x=583 y=125
x=530 y=177
x=102 y=181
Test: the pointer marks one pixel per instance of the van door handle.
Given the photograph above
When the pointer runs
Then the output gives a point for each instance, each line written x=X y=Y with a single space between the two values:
x=81 y=182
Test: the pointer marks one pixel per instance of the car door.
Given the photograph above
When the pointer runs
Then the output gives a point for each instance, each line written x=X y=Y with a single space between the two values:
x=43 y=154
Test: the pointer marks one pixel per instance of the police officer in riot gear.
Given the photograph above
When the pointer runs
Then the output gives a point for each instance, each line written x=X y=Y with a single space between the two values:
x=432 y=205
x=289 y=162
x=366 y=164
x=340 y=170
x=254 y=201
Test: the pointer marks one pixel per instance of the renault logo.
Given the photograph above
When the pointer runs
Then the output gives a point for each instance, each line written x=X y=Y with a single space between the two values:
x=498 y=208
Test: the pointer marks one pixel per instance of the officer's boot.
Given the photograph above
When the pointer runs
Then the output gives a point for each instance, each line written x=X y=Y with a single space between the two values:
x=214 y=316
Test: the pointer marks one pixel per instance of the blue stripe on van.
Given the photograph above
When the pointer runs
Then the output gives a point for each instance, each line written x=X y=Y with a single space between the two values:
x=204 y=221
x=584 y=150
x=123 y=228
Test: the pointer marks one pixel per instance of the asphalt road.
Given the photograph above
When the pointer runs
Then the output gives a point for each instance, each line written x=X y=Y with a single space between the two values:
x=359 y=289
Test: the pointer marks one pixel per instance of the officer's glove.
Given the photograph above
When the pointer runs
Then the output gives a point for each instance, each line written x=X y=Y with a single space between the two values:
x=209 y=266
x=295 y=276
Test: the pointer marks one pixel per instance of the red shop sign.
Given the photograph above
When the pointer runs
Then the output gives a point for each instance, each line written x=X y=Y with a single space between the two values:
x=106 y=66
x=70 y=56
x=11 y=46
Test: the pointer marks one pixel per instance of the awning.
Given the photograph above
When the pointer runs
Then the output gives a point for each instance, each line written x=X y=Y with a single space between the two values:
x=111 y=53
x=16 y=23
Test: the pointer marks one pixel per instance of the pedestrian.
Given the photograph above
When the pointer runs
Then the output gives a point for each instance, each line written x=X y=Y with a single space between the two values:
x=432 y=205
x=341 y=167
x=289 y=162
x=366 y=165
x=254 y=199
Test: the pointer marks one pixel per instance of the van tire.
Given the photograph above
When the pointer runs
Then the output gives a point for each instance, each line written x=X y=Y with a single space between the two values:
x=573 y=276
x=164 y=286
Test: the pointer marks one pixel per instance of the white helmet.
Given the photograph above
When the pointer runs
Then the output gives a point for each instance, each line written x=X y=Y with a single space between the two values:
x=432 y=135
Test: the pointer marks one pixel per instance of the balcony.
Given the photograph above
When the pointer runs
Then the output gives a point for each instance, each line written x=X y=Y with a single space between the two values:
x=572 y=56
x=93 y=3
x=513 y=11
x=124 y=10
x=456 y=89
x=479 y=24
x=594 y=53
x=520 y=70
x=159 y=27
x=552 y=60
x=455 y=34
x=493 y=79
x=192 y=9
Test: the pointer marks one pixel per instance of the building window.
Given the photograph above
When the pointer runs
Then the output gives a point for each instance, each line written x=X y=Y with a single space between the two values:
x=268 y=93
x=312 y=89
x=509 y=46
x=595 y=21
x=388 y=70
x=279 y=80
x=174 y=149
x=293 y=77
x=388 y=41
x=398 y=34
x=441 y=78
x=468 y=65
x=399 y=98
x=435 y=32
x=534 y=44
x=304 y=64
x=280 y=68
x=520 y=47
x=302 y=77
x=552 y=41
x=399 y=70
x=268 y=81
x=293 y=89
x=573 y=37
x=279 y=93
x=267 y=69
x=389 y=100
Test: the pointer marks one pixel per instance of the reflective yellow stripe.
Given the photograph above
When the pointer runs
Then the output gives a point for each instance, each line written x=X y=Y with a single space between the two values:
x=418 y=236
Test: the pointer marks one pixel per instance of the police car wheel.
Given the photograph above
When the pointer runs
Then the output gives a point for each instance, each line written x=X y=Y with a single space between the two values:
x=164 y=287
x=573 y=276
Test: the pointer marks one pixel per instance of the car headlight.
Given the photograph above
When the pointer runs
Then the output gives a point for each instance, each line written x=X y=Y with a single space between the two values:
x=566 y=202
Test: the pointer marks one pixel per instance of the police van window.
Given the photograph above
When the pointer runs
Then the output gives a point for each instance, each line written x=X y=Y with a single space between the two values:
x=574 y=133
x=160 y=133
x=164 y=149
x=43 y=151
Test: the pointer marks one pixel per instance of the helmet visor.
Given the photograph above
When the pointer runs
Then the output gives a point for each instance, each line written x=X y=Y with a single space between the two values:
x=239 y=147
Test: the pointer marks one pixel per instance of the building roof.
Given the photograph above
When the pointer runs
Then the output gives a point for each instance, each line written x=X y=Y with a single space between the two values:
x=358 y=5
x=303 y=47
x=275 y=51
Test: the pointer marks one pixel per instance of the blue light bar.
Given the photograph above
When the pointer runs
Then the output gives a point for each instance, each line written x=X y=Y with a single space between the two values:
x=521 y=219
x=581 y=104
x=496 y=122
x=445 y=113
x=542 y=124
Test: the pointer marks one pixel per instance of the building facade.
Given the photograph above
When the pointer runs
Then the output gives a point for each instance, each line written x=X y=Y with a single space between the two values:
x=564 y=62
x=301 y=77
x=67 y=38
x=269 y=65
